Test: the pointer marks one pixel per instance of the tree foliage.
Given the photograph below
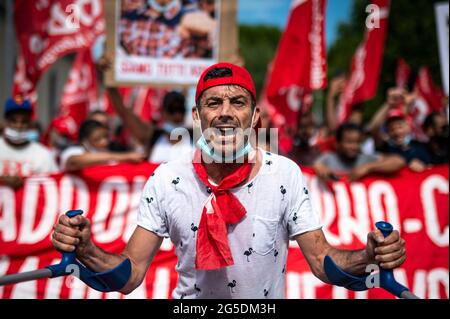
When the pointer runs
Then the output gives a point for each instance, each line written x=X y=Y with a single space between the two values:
x=258 y=45
x=411 y=36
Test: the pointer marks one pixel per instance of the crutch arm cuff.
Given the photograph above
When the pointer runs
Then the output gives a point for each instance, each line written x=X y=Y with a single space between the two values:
x=339 y=277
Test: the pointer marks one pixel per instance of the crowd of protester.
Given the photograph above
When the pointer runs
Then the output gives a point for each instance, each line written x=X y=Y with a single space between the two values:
x=388 y=142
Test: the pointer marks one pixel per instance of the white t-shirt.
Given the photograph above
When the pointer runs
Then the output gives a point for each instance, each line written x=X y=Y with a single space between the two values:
x=164 y=151
x=32 y=159
x=278 y=208
x=73 y=150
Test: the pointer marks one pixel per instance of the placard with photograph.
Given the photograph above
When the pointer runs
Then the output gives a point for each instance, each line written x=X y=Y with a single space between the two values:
x=167 y=42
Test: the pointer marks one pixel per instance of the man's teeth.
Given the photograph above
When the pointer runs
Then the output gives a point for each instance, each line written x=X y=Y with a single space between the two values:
x=227 y=130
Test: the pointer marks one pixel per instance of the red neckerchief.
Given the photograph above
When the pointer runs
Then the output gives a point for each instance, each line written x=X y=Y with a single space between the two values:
x=221 y=209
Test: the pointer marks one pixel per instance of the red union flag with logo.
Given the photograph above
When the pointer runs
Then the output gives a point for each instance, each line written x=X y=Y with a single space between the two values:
x=427 y=90
x=366 y=64
x=429 y=98
x=80 y=92
x=284 y=108
x=300 y=62
x=49 y=29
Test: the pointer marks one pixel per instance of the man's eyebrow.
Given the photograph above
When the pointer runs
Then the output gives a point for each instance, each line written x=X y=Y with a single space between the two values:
x=238 y=97
x=213 y=98
x=218 y=98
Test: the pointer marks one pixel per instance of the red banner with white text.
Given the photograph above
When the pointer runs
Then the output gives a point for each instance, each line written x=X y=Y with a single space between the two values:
x=415 y=203
x=47 y=30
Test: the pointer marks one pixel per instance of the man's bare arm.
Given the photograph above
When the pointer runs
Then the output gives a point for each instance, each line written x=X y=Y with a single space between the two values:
x=389 y=252
x=336 y=87
x=386 y=164
x=81 y=161
x=11 y=181
x=141 y=249
x=73 y=234
x=315 y=247
x=138 y=128
x=376 y=122
x=322 y=170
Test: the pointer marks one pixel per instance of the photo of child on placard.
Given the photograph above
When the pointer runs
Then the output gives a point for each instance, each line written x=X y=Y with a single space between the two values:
x=168 y=28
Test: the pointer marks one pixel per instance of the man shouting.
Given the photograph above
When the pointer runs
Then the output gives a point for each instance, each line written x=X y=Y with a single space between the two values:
x=230 y=210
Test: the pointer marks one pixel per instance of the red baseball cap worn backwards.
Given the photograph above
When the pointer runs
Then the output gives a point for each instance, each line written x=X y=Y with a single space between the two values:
x=395 y=114
x=239 y=76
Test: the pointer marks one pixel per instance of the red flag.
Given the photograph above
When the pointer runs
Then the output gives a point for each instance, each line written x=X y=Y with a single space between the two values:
x=146 y=102
x=80 y=92
x=298 y=68
x=49 y=29
x=402 y=74
x=278 y=121
x=366 y=64
x=301 y=56
x=426 y=89
x=284 y=110
x=291 y=103
x=22 y=85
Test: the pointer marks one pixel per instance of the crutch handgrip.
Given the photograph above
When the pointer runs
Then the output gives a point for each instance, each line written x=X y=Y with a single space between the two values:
x=387 y=280
x=68 y=258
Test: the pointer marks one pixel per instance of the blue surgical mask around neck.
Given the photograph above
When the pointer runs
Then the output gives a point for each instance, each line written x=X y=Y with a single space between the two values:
x=218 y=157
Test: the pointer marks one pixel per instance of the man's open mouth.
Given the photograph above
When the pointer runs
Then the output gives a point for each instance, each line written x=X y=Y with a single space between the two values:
x=225 y=134
x=227 y=130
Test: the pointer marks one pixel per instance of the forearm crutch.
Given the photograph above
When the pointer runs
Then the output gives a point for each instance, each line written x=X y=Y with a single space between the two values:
x=111 y=280
x=339 y=277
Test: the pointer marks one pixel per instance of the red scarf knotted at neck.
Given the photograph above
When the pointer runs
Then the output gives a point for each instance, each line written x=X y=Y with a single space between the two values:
x=221 y=209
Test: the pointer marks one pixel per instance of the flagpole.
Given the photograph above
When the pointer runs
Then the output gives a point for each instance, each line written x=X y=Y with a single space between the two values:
x=9 y=62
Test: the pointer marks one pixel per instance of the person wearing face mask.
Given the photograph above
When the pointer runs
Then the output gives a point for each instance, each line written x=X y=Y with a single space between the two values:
x=20 y=153
x=93 y=150
x=230 y=209
x=400 y=142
